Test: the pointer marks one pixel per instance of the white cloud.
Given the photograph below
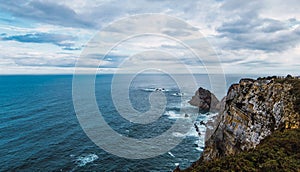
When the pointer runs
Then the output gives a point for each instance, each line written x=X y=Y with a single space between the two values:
x=253 y=36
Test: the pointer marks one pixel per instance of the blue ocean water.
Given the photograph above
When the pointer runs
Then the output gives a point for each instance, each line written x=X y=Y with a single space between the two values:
x=39 y=130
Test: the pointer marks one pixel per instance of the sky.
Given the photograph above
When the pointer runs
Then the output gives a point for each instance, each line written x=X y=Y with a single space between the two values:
x=48 y=37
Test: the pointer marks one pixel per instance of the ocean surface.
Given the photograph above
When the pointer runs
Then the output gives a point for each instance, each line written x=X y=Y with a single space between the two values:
x=39 y=130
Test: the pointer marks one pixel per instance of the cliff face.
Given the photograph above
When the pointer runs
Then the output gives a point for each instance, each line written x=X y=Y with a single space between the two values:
x=253 y=110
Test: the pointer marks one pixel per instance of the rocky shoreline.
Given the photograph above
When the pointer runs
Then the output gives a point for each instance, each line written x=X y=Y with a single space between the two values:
x=251 y=111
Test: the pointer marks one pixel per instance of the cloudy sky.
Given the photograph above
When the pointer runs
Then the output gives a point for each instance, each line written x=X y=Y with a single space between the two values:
x=257 y=37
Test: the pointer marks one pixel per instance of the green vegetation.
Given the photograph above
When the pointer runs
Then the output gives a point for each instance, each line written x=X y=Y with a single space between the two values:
x=278 y=152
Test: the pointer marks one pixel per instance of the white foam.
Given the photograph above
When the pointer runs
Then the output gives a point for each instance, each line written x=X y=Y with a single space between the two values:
x=178 y=94
x=192 y=133
x=149 y=89
x=171 y=154
x=176 y=134
x=155 y=89
x=174 y=115
x=176 y=164
x=199 y=149
x=200 y=143
x=83 y=160
x=211 y=115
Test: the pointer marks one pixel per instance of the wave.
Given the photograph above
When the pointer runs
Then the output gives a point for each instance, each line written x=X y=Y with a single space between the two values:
x=199 y=149
x=171 y=154
x=177 y=134
x=211 y=115
x=178 y=94
x=83 y=160
x=200 y=143
x=191 y=133
x=173 y=108
x=155 y=89
x=174 y=115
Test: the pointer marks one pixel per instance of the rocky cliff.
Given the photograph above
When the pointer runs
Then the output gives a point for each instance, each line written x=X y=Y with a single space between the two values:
x=253 y=110
x=206 y=101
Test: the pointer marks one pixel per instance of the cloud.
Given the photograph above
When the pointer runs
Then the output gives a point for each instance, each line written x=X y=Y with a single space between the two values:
x=254 y=63
x=90 y=14
x=42 y=62
x=253 y=34
x=64 y=41
x=260 y=34
x=46 y=12
x=244 y=27
x=104 y=61
x=71 y=48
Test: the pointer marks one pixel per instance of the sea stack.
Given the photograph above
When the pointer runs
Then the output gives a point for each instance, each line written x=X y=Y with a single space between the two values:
x=205 y=101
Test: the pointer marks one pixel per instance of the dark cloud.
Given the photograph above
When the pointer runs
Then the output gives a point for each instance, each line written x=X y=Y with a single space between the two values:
x=213 y=61
x=46 y=12
x=252 y=24
x=71 y=48
x=257 y=33
x=97 y=15
x=40 y=38
x=64 y=41
x=244 y=27
x=260 y=63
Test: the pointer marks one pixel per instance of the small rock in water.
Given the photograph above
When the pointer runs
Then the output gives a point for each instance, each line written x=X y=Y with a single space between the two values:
x=177 y=169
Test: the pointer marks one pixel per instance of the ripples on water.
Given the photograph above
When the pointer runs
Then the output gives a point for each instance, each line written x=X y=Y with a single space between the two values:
x=39 y=129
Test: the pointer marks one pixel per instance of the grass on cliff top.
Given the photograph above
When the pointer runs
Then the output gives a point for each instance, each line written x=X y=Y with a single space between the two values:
x=278 y=152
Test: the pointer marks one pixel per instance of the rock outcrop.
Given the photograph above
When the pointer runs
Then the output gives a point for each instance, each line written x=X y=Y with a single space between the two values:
x=206 y=101
x=253 y=110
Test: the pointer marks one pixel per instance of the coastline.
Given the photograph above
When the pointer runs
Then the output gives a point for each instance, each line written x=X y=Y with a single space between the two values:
x=256 y=112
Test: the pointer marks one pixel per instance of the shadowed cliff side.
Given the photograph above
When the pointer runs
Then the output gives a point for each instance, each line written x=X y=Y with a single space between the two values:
x=254 y=109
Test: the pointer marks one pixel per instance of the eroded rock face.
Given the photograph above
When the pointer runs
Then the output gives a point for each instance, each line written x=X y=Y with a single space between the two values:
x=253 y=110
x=205 y=100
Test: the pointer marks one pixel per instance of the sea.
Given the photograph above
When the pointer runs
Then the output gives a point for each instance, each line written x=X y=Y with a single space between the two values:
x=40 y=131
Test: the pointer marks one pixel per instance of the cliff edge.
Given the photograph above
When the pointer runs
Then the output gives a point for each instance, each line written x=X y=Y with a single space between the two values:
x=253 y=110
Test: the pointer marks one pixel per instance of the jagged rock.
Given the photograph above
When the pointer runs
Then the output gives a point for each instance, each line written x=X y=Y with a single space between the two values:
x=205 y=100
x=253 y=110
x=177 y=169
